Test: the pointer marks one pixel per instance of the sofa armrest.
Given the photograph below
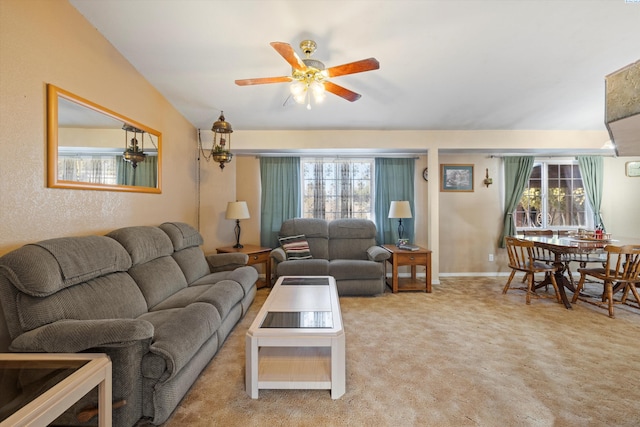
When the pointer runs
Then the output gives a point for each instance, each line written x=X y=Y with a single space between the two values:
x=278 y=255
x=73 y=336
x=377 y=253
x=227 y=261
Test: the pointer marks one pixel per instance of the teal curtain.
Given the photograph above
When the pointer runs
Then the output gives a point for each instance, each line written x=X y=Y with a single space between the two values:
x=145 y=174
x=280 y=179
x=592 y=171
x=517 y=171
x=394 y=180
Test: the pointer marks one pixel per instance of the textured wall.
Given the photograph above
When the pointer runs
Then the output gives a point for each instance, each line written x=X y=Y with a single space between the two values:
x=48 y=41
x=45 y=41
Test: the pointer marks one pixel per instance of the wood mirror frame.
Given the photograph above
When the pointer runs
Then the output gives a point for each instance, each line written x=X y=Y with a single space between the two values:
x=102 y=120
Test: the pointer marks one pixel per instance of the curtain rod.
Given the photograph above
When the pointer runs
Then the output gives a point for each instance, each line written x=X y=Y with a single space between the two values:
x=341 y=156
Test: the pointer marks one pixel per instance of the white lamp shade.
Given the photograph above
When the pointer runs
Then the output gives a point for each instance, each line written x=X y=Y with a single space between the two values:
x=400 y=209
x=237 y=210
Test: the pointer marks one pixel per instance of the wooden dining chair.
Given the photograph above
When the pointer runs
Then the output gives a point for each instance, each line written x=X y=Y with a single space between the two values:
x=521 y=258
x=539 y=253
x=621 y=272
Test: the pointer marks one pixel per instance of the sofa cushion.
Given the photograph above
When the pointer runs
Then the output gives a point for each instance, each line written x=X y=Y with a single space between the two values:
x=304 y=267
x=176 y=340
x=158 y=279
x=246 y=276
x=296 y=247
x=350 y=238
x=315 y=230
x=222 y=295
x=72 y=336
x=44 y=268
x=377 y=253
x=342 y=269
x=192 y=262
x=143 y=243
x=115 y=296
x=182 y=235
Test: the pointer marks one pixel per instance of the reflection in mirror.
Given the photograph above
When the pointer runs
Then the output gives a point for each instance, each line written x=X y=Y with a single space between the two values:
x=91 y=147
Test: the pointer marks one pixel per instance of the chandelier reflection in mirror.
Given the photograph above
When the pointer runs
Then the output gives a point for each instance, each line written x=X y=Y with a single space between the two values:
x=221 y=149
x=134 y=153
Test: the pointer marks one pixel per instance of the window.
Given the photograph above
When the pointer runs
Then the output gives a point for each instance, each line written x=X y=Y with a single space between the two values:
x=94 y=168
x=337 y=188
x=555 y=198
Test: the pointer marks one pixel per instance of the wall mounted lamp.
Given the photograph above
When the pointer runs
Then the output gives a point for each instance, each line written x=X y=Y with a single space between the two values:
x=237 y=211
x=487 y=181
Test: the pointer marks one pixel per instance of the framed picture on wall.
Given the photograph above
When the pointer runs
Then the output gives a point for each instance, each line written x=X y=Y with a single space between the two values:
x=456 y=178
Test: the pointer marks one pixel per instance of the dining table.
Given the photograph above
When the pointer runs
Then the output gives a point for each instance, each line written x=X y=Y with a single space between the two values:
x=564 y=247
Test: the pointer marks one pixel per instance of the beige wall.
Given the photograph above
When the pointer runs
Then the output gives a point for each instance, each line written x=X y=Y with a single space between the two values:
x=48 y=41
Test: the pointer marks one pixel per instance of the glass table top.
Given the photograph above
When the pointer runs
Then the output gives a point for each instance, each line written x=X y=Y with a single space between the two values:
x=300 y=281
x=297 y=319
x=21 y=381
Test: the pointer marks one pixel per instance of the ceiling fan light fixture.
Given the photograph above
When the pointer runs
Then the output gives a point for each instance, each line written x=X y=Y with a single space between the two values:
x=318 y=91
x=298 y=91
x=311 y=75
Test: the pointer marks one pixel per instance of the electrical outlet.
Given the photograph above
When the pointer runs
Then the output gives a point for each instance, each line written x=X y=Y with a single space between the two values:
x=490 y=257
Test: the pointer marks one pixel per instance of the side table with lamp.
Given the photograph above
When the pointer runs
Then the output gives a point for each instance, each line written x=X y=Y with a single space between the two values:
x=257 y=254
x=404 y=254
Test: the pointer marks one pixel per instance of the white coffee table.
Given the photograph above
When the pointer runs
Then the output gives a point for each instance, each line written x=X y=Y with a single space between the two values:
x=296 y=341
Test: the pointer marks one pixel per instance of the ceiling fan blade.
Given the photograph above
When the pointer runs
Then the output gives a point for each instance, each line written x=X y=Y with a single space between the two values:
x=287 y=52
x=354 y=67
x=341 y=91
x=263 y=80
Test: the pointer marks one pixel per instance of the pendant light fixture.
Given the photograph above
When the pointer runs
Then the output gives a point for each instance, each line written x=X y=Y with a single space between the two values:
x=133 y=153
x=221 y=149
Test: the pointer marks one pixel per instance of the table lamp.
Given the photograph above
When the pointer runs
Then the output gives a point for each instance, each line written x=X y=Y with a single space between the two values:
x=237 y=211
x=399 y=210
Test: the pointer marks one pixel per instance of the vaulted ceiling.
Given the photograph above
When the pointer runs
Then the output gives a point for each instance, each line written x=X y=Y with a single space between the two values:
x=444 y=64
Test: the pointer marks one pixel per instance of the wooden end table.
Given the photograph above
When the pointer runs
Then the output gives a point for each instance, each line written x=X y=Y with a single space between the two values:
x=400 y=257
x=257 y=255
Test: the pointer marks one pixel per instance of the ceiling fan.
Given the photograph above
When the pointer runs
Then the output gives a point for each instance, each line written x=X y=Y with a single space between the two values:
x=310 y=75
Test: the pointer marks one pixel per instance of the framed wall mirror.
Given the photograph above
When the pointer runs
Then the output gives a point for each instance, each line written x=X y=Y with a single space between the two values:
x=93 y=148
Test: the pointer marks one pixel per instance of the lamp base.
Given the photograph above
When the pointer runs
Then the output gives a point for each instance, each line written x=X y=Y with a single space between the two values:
x=237 y=230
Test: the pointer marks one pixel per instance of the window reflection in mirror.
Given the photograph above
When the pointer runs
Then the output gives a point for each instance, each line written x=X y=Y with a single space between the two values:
x=86 y=143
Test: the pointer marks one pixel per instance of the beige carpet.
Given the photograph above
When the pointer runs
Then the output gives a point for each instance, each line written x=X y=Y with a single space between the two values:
x=464 y=355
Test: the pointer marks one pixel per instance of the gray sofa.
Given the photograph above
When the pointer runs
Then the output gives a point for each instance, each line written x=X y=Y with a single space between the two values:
x=343 y=248
x=147 y=296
